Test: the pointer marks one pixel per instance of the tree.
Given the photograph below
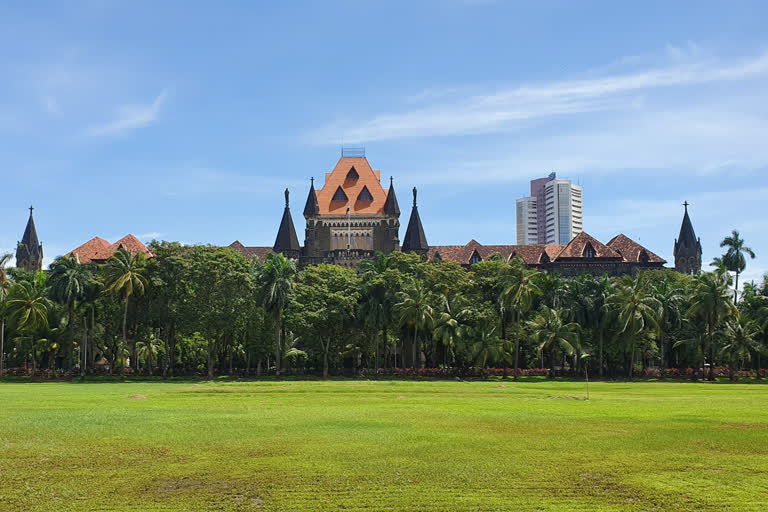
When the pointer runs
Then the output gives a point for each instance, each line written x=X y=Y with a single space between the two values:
x=415 y=309
x=711 y=305
x=69 y=280
x=323 y=306
x=450 y=324
x=551 y=333
x=670 y=299
x=124 y=278
x=734 y=259
x=275 y=280
x=740 y=337
x=636 y=310
x=28 y=307
x=488 y=347
x=517 y=297
x=5 y=285
x=377 y=296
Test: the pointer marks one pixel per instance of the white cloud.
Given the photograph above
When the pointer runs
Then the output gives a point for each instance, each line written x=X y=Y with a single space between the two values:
x=498 y=111
x=130 y=117
x=148 y=237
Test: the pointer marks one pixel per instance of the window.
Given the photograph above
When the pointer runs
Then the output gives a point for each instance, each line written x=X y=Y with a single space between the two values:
x=589 y=252
x=365 y=195
x=475 y=258
x=339 y=195
x=352 y=174
x=643 y=257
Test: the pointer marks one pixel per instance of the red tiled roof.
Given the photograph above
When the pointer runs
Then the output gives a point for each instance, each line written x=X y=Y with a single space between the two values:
x=366 y=177
x=575 y=249
x=462 y=254
x=88 y=251
x=631 y=251
x=98 y=250
x=260 y=253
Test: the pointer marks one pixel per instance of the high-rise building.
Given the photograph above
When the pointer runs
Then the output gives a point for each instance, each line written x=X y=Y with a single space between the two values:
x=552 y=214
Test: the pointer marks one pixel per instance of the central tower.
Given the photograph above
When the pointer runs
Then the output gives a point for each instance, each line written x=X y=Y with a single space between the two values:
x=351 y=216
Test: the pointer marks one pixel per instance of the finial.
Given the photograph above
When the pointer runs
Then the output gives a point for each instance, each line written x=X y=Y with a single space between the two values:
x=286 y=198
x=685 y=204
x=390 y=181
x=414 y=197
x=312 y=181
x=30 y=210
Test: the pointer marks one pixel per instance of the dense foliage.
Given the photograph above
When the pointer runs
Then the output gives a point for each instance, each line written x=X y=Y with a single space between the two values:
x=206 y=310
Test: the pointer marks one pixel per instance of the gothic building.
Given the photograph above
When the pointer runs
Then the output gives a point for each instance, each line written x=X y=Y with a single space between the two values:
x=687 y=250
x=29 y=252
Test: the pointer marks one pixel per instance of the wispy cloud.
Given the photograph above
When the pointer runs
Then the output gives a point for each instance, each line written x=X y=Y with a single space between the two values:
x=130 y=117
x=496 y=111
x=148 y=237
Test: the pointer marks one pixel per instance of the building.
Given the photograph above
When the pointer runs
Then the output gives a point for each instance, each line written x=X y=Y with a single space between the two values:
x=583 y=254
x=687 y=251
x=29 y=251
x=348 y=219
x=97 y=250
x=552 y=214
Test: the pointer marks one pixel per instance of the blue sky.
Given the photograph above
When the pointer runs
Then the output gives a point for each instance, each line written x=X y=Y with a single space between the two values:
x=185 y=120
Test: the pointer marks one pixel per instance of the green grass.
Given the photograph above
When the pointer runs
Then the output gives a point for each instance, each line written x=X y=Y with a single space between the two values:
x=355 y=445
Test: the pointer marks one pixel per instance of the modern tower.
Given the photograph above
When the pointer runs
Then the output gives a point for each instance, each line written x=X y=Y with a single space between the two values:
x=552 y=214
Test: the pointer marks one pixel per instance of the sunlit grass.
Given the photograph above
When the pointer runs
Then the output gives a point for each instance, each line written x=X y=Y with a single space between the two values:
x=383 y=446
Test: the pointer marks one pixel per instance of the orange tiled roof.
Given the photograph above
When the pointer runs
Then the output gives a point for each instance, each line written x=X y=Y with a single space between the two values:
x=575 y=249
x=260 y=253
x=98 y=250
x=88 y=251
x=352 y=187
x=631 y=251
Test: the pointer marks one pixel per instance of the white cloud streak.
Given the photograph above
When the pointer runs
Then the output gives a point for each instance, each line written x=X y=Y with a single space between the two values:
x=129 y=118
x=492 y=112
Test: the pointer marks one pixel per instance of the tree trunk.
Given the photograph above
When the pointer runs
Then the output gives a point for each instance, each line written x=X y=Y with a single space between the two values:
x=757 y=375
x=210 y=359
x=661 y=353
x=413 y=348
x=517 y=357
x=552 y=364
x=631 y=361
x=84 y=349
x=258 y=368
x=600 y=348
x=2 y=348
x=125 y=337
x=386 y=346
x=70 y=337
x=277 y=345
x=376 y=353
x=736 y=289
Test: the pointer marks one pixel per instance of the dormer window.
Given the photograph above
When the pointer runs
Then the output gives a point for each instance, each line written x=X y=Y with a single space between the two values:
x=339 y=195
x=643 y=257
x=475 y=258
x=589 y=252
x=365 y=195
x=352 y=174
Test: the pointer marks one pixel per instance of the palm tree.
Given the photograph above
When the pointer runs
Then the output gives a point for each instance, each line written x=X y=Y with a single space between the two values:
x=711 y=304
x=28 y=306
x=671 y=299
x=450 y=325
x=415 y=309
x=69 y=280
x=740 y=336
x=148 y=350
x=376 y=303
x=124 y=278
x=636 y=310
x=488 y=347
x=551 y=333
x=5 y=284
x=519 y=289
x=734 y=258
x=275 y=280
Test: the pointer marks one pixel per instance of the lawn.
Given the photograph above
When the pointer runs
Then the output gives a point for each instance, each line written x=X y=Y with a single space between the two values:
x=357 y=445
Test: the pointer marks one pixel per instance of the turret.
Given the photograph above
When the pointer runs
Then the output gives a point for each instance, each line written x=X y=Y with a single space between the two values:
x=29 y=252
x=687 y=250
x=287 y=242
x=415 y=240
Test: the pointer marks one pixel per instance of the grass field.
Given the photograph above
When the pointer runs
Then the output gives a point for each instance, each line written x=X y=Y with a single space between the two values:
x=354 y=445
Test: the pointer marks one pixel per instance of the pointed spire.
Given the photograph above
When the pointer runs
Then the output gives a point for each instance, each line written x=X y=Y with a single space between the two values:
x=687 y=237
x=287 y=242
x=687 y=251
x=311 y=208
x=390 y=205
x=29 y=252
x=415 y=240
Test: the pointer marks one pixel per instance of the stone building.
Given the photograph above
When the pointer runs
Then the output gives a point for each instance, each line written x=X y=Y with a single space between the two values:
x=29 y=252
x=584 y=254
x=687 y=250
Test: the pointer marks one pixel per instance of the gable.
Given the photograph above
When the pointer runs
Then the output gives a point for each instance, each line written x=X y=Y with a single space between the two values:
x=348 y=180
